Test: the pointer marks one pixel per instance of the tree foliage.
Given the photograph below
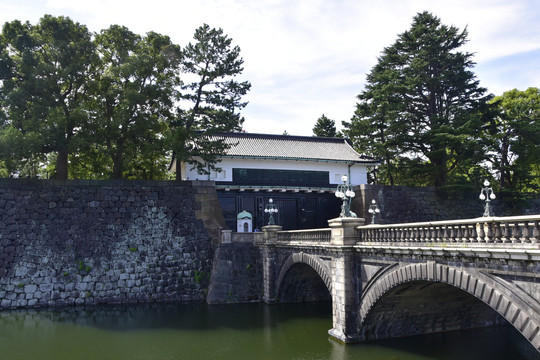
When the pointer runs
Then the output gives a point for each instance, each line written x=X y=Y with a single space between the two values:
x=83 y=105
x=422 y=107
x=514 y=140
x=44 y=71
x=325 y=127
x=212 y=99
x=132 y=94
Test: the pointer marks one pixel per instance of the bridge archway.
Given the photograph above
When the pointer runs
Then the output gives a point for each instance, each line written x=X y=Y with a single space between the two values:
x=479 y=292
x=303 y=277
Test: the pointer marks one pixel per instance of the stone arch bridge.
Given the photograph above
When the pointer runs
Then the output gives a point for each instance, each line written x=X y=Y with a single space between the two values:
x=406 y=279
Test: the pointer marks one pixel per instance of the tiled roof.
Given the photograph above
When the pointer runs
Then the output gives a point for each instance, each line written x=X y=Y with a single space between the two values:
x=287 y=147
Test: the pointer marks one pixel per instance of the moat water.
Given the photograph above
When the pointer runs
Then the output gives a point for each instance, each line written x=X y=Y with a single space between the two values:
x=245 y=331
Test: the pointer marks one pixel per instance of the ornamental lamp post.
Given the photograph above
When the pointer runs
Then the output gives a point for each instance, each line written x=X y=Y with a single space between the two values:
x=271 y=209
x=487 y=194
x=344 y=192
x=373 y=210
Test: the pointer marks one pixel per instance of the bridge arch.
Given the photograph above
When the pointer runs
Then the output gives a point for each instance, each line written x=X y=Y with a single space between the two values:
x=509 y=301
x=314 y=262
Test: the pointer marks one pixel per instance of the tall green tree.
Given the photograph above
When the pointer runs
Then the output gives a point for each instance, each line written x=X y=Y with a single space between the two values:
x=133 y=93
x=212 y=99
x=514 y=140
x=44 y=70
x=325 y=127
x=373 y=132
x=422 y=107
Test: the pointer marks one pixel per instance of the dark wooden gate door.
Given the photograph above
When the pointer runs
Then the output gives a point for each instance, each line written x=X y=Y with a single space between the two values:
x=287 y=215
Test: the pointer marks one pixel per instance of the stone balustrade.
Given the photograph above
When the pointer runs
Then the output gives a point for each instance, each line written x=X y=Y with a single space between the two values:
x=304 y=236
x=513 y=231
x=228 y=236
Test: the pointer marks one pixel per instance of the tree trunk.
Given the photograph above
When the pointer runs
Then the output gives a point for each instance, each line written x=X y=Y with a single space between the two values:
x=439 y=170
x=118 y=166
x=62 y=165
x=118 y=160
x=504 y=181
x=178 y=170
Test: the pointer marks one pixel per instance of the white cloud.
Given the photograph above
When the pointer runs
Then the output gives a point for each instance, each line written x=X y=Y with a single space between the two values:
x=309 y=57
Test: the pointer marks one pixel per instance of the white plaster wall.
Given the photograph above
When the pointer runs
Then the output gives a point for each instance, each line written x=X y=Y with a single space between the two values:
x=357 y=173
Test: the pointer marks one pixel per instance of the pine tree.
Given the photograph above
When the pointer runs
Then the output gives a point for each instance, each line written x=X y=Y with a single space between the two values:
x=422 y=107
x=212 y=101
x=325 y=127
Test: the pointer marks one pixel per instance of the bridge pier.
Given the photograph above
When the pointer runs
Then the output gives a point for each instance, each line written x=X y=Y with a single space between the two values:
x=344 y=295
x=268 y=252
x=342 y=268
x=344 y=284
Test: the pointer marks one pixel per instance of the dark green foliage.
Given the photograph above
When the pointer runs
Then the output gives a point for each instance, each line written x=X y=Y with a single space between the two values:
x=44 y=70
x=131 y=97
x=211 y=101
x=325 y=127
x=422 y=108
x=106 y=104
x=513 y=141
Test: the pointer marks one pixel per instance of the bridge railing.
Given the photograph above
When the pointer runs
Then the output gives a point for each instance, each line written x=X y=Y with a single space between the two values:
x=304 y=236
x=513 y=231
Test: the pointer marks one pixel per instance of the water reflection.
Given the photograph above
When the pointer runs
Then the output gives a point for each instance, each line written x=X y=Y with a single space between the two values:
x=247 y=331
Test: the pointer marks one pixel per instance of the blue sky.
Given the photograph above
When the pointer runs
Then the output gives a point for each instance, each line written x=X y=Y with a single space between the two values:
x=305 y=58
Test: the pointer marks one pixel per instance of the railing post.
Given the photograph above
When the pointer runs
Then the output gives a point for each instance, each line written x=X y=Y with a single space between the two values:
x=488 y=232
x=343 y=230
x=497 y=233
x=438 y=234
x=452 y=234
x=472 y=233
x=226 y=236
x=459 y=233
x=464 y=234
x=270 y=233
x=480 y=232
x=505 y=233
x=524 y=232
x=535 y=238
x=444 y=233
x=513 y=232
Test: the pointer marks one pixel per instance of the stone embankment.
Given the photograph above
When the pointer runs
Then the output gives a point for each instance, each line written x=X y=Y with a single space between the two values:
x=404 y=204
x=92 y=242
x=237 y=274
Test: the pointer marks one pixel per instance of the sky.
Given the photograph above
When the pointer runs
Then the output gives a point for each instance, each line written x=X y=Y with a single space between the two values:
x=306 y=58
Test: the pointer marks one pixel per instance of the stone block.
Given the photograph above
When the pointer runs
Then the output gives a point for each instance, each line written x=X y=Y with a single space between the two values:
x=82 y=286
x=21 y=271
x=30 y=289
x=47 y=287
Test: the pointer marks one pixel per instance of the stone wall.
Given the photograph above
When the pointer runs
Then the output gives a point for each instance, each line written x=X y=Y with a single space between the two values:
x=237 y=274
x=92 y=242
x=402 y=204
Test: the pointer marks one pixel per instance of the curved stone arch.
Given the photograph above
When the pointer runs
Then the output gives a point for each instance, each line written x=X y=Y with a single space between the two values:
x=507 y=299
x=302 y=258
